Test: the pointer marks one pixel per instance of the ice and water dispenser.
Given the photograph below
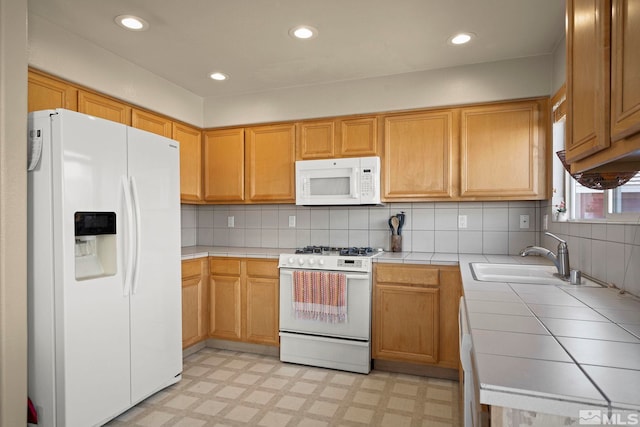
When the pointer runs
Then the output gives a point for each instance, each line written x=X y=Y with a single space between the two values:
x=95 y=248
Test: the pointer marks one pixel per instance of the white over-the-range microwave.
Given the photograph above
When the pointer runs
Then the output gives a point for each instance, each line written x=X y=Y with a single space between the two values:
x=348 y=181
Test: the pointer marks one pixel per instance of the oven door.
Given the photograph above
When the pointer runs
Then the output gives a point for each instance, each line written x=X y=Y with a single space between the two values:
x=358 y=321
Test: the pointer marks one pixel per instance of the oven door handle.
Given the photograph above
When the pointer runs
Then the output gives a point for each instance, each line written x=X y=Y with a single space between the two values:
x=362 y=276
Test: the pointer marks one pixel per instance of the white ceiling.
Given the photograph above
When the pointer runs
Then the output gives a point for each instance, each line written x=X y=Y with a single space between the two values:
x=249 y=41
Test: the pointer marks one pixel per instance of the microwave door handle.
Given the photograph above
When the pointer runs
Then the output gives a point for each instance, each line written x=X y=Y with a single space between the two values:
x=354 y=179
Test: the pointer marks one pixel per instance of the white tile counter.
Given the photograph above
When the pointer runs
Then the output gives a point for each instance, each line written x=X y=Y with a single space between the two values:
x=552 y=349
x=190 y=252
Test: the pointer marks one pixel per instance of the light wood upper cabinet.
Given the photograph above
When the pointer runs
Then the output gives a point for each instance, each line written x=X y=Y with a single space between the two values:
x=625 y=69
x=190 y=140
x=603 y=88
x=270 y=164
x=420 y=156
x=46 y=93
x=103 y=107
x=415 y=317
x=194 y=301
x=588 y=59
x=151 y=122
x=503 y=149
x=224 y=165
x=316 y=140
x=356 y=137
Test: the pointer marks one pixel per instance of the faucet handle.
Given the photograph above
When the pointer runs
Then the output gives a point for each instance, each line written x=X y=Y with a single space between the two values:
x=555 y=237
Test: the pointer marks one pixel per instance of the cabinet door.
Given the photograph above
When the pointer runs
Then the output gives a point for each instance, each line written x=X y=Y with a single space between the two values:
x=270 y=164
x=151 y=122
x=103 y=107
x=358 y=137
x=224 y=165
x=406 y=323
x=194 y=302
x=450 y=293
x=225 y=307
x=45 y=93
x=262 y=302
x=503 y=150
x=316 y=140
x=588 y=91
x=262 y=311
x=419 y=154
x=190 y=140
x=625 y=69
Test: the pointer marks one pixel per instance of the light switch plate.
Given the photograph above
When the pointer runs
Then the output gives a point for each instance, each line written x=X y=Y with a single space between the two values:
x=292 y=221
x=231 y=220
x=462 y=221
x=524 y=221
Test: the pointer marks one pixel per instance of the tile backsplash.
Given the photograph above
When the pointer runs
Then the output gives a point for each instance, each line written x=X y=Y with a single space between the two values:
x=492 y=227
x=609 y=252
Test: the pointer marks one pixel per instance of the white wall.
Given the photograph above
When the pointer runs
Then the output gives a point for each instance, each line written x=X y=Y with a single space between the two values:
x=61 y=53
x=559 y=65
x=13 y=210
x=512 y=79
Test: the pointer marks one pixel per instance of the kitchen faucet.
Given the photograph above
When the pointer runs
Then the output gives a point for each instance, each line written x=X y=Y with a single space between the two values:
x=561 y=261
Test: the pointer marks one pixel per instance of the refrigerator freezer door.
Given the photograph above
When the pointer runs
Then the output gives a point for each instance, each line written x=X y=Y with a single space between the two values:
x=92 y=316
x=156 y=331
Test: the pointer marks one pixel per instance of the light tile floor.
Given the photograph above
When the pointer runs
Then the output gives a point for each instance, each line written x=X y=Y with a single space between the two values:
x=226 y=388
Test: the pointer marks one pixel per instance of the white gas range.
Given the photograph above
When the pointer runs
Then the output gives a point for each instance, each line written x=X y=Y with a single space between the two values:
x=325 y=307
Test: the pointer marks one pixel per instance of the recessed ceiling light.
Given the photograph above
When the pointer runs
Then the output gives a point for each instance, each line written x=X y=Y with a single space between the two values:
x=131 y=22
x=303 y=32
x=461 y=38
x=218 y=76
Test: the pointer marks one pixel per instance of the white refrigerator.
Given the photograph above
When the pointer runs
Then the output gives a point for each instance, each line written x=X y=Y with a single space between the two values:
x=104 y=296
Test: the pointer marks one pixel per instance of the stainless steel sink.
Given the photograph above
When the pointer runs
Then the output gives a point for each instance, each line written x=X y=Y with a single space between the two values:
x=516 y=273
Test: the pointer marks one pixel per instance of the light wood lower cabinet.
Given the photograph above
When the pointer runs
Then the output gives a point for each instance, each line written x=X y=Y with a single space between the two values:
x=415 y=317
x=243 y=300
x=194 y=301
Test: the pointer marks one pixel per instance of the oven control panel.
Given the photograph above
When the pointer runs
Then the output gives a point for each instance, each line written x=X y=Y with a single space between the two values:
x=323 y=262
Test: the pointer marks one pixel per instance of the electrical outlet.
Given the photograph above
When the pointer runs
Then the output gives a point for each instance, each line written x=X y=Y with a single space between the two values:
x=545 y=222
x=231 y=221
x=462 y=221
x=524 y=221
x=292 y=221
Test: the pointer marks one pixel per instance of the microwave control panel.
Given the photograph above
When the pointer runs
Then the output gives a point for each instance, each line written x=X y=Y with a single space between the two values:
x=366 y=183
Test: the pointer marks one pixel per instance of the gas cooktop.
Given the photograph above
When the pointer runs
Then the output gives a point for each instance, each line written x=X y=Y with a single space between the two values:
x=328 y=250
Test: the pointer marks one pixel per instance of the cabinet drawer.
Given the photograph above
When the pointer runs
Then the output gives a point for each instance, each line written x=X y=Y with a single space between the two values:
x=190 y=268
x=225 y=266
x=259 y=268
x=407 y=275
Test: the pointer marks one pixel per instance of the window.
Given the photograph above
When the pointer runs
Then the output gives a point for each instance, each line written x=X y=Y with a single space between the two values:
x=618 y=204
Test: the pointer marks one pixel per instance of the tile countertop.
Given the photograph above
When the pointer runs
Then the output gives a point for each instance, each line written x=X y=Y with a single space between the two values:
x=552 y=349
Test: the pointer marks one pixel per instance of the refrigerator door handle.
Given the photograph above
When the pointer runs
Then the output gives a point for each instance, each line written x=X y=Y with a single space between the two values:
x=136 y=263
x=128 y=267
